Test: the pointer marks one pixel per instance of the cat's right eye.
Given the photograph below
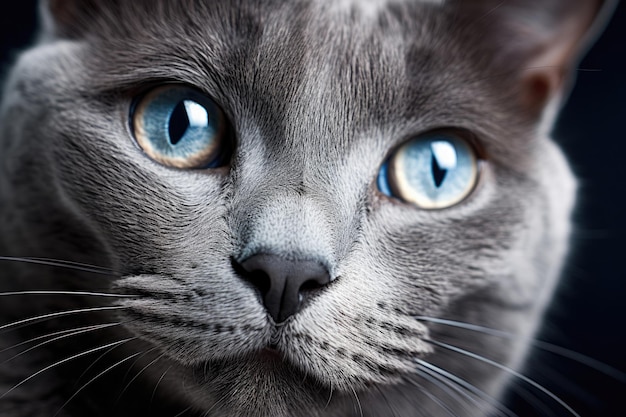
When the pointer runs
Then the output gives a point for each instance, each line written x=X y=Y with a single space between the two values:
x=180 y=127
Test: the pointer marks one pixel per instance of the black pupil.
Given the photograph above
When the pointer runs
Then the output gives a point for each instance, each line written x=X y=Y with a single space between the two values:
x=179 y=123
x=439 y=174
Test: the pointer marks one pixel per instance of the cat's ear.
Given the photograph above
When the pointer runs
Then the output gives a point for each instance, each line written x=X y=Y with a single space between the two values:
x=540 y=40
x=68 y=18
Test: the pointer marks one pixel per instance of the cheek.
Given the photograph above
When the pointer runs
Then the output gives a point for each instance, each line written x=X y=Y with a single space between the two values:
x=147 y=214
x=433 y=258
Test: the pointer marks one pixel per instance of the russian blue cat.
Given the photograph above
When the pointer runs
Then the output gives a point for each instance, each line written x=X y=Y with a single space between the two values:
x=282 y=208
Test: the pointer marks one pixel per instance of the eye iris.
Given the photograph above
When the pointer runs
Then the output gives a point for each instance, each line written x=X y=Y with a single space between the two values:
x=431 y=172
x=179 y=127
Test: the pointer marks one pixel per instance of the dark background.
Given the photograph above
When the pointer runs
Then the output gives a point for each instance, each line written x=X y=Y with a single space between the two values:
x=589 y=312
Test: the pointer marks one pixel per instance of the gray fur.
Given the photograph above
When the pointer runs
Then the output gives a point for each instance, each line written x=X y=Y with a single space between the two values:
x=318 y=94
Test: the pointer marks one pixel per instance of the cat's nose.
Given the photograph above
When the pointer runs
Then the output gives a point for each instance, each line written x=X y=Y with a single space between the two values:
x=284 y=283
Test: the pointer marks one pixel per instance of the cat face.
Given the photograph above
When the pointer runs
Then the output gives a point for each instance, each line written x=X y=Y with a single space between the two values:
x=343 y=175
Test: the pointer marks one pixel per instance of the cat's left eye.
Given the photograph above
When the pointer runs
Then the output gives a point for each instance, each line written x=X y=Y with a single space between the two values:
x=432 y=171
x=180 y=127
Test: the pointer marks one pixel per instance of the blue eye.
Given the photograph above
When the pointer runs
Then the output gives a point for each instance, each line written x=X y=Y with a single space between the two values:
x=180 y=127
x=433 y=171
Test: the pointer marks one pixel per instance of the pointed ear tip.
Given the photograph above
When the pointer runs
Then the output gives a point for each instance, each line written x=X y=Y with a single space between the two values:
x=605 y=9
x=602 y=14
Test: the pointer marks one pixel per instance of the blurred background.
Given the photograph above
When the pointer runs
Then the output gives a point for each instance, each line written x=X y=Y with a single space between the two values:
x=589 y=313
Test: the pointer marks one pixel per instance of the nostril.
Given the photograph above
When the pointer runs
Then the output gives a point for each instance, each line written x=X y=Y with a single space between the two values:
x=307 y=288
x=311 y=285
x=283 y=282
x=258 y=278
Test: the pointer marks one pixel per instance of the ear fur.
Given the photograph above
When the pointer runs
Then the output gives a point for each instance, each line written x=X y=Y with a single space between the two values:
x=541 y=40
x=68 y=18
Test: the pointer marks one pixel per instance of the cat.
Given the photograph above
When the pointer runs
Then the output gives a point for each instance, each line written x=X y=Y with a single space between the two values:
x=282 y=208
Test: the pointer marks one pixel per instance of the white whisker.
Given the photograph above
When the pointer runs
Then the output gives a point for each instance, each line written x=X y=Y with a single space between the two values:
x=465 y=384
x=384 y=398
x=531 y=398
x=549 y=347
x=330 y=395
x=73 y=332
x=62 y=264
x=85 y=293
x=358 y=402
x=58 y=314
x=130 y=368
x=157 y=385
x=183 y=412
x=94 y=364
x=448 y=387
x=434 y=398
x=34 y=339
x=506 y=369
x=93 y=379
x=140 y=372
x=61 y=362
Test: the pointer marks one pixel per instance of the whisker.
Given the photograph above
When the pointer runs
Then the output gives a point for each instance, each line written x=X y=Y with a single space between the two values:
x=58 y=314
x=506 y=369
x=465 y=384
x=468 y=326
x=358 y=402
x=330 y=396
x=434 y=398
x=573 y=387
x=447 y=386
x=93 y=379
x=516 y=71
x=215 y=405
x=491 y=11
x=157 y=385
x=66 y=262
x=183 y=412
x=549 y=347
x=139 y=373
x=384 y=398
x=74 y=332
x=130 y=368
x=62 y=264
x=61 y=362
x=34 y=339
x=532 y=399
x=106 y=352
x=86 y=293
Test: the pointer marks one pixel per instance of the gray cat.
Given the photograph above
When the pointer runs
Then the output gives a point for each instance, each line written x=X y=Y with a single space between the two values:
x=286 y=209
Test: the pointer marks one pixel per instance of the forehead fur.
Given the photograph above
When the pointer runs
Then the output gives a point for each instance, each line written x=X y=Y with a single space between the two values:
x=324 y=70
x=310 y=69
x=367 y=9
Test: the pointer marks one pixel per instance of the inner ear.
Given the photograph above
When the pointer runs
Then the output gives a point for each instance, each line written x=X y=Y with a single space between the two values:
x=62 y=12
x=538 y=86
x=559 y=50
x=541 y=41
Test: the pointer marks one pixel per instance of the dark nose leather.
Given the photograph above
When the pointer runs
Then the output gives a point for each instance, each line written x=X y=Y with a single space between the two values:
x=284 y=283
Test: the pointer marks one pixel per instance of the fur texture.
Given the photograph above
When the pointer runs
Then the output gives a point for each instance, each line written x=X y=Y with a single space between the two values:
x=318 y=96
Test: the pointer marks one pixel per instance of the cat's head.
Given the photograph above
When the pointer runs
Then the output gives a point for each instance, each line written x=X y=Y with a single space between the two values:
x=288 y=187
